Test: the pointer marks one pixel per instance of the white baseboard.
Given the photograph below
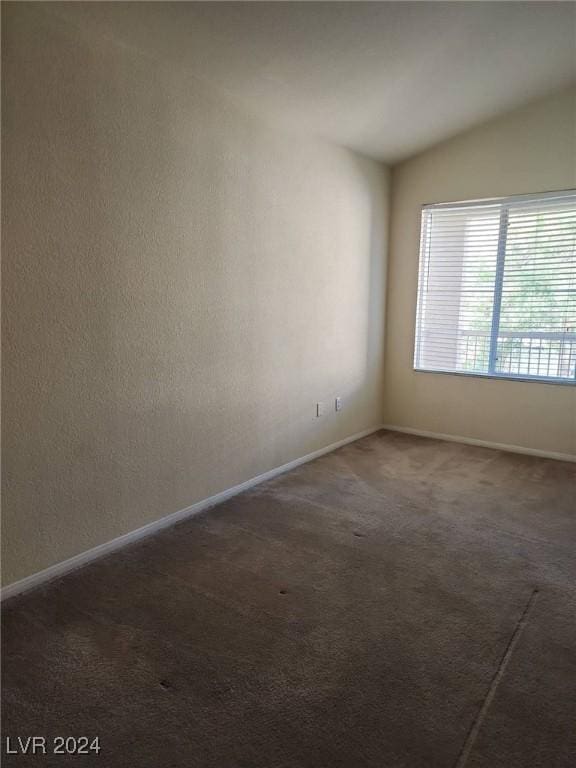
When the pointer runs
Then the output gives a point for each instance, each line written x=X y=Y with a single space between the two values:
x=483 y=443
x=59 y=569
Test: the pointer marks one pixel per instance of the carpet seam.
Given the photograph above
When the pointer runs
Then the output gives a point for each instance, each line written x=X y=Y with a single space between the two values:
x=498 y=675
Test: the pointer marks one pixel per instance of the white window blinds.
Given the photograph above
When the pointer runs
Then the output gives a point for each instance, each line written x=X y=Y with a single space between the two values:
x=497 y=288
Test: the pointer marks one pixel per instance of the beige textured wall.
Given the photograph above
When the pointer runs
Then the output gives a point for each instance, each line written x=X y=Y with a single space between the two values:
x=530 y=150
x=181 y=285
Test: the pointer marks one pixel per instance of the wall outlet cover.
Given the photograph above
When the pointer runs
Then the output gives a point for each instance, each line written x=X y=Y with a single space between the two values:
x=320 y=409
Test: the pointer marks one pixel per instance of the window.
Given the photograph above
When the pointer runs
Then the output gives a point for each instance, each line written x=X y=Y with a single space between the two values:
x=497 y=288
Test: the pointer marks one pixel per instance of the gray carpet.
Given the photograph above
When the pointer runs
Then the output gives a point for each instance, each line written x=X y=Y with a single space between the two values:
x=401 y=602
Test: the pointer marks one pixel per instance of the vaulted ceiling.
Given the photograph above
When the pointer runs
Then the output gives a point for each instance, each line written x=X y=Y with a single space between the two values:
x=387 y=79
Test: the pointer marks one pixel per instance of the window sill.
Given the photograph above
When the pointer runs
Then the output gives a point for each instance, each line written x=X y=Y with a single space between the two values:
x=495 y=376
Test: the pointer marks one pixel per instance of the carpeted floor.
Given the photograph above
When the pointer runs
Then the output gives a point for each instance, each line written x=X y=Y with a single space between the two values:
x=401 y=602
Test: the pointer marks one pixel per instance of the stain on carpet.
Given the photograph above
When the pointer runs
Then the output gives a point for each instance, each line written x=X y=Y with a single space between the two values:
x=401 y=602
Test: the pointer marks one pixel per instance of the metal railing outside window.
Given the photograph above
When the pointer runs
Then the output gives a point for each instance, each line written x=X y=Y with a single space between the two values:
x=497 y=288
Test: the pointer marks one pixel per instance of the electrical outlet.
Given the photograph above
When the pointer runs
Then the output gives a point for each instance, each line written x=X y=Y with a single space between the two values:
x=338 y=404
x=320 y=409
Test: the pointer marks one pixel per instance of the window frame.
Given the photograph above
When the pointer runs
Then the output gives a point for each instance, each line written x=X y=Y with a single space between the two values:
x=505 y=202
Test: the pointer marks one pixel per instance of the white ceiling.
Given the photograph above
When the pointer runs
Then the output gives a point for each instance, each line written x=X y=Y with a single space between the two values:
x=387 y=79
